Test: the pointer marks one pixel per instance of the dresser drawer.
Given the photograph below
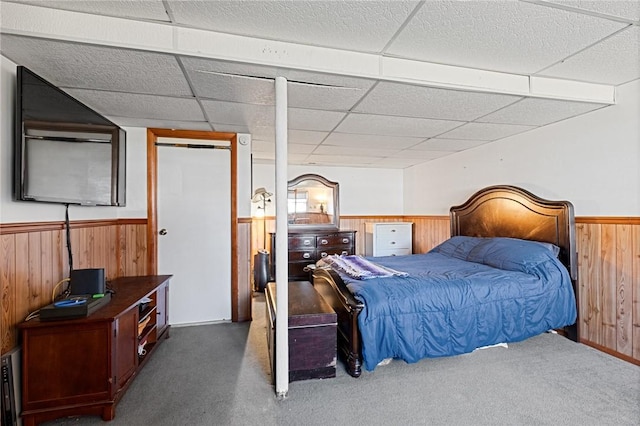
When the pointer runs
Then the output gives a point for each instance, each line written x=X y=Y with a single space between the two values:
x=324 y=252
x=302 y=255
x=393 y=236
x=393 y=252
x=334 y=241
x=302 y=241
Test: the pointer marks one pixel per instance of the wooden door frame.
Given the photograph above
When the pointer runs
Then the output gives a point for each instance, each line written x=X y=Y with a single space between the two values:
x=152 y=203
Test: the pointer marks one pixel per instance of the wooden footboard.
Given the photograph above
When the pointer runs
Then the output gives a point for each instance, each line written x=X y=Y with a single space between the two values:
x=336 y=294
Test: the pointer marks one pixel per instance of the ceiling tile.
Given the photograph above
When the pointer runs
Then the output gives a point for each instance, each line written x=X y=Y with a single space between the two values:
x=427 y=102
x=368 y=141
x=538 y=112
x=254 y=84
x=395 y=126
x=615 y=60
x=96 y=67
x=627 y=9
x=231 y=128
x=343 y=160
x=507 y=36
x=448 y=144
x=218 y=67
x=239 y=114
x=485 y=131
x=311 y=119
x=148 y=9
x=354 y=25
x=353 y=152
x=397 y=163
x=161 y=124
x=306 y=136
x=139 y=106
x=423 y=155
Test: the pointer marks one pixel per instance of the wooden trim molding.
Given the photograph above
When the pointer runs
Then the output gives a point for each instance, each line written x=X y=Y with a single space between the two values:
x=609 y=220
x=152 y=205
x=25 y=227
x=610 y=351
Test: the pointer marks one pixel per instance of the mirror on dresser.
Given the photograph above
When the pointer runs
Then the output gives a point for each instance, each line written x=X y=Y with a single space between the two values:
x=312 y=203
x=313 y=225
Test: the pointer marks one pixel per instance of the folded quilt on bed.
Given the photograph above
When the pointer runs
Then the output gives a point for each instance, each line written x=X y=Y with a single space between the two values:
x=460 y=296
x=359 y=268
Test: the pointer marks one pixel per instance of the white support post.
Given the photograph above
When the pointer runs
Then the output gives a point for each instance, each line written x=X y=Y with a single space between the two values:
x=282 y=257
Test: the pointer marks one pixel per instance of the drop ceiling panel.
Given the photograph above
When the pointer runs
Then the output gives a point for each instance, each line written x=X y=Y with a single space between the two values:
x=140 y=106
x=368 y=141
x=507 y=36
x=358 y=161
x=310 y=119
x=615 y=60
x=424 y=155
x=485 y=131
x=218 y=67
x=224 y=87
x=627 y=9
x=448 y=144
x=262 y=91
x=353 y=152
x=148 y=9
x=396 y=163
x=94 y=67
x=239 y=114
x=427 y=102
x=161 y=124
x=355 y=25
x=395 y=126
x=306 y=136
x=539 y=112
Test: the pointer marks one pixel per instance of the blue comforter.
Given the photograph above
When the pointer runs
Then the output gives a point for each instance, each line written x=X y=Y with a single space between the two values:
x=464 y=294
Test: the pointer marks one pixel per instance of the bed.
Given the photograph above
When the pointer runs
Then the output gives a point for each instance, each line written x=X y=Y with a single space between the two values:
x=473 y=304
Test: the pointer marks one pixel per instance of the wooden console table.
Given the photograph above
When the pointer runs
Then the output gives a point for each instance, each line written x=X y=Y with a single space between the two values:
x=83 y=366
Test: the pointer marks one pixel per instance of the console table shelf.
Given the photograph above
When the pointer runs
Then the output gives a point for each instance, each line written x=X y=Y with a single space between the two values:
x=83 y=366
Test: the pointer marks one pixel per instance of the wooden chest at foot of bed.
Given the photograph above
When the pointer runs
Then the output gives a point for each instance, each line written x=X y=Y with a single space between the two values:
x=312 y=326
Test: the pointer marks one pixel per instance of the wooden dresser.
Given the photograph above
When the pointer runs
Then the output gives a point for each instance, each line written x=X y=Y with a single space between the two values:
x=307 y=247
x=83 y=366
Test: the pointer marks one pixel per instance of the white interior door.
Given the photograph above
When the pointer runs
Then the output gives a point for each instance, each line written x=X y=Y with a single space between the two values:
x=194 y=207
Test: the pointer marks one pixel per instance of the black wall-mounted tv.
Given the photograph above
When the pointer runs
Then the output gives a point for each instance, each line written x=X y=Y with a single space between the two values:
x=64 y=151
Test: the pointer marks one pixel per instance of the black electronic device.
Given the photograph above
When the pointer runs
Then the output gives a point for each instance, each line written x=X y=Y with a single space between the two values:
x=65 y=152
x=87 y=281
x=73 y=307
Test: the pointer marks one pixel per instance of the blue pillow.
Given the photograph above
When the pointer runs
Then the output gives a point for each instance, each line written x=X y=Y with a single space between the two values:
x=458 y=246
x=512 y=254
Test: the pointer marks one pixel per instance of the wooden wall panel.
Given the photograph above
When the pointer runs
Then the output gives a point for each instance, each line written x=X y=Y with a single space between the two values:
x=635 y=291
x=34 y=259
x=609 y=280
x=624 y=290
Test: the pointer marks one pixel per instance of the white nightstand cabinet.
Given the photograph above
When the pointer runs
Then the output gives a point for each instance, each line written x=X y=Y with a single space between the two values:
x=388 y=239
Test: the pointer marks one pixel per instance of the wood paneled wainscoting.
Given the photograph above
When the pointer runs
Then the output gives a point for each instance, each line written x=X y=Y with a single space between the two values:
x=34 y=259
x=609 y=284
x=608 y=272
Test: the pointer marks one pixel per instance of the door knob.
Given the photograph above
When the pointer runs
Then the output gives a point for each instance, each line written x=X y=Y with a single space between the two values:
x=163 y=231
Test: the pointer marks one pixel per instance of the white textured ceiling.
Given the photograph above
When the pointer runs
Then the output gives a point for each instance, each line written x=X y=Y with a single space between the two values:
x=335 y=117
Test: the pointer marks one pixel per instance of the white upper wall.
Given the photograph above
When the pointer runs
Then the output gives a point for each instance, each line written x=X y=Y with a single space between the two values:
x=136 y=197
x=363 y=191
x=592 y=160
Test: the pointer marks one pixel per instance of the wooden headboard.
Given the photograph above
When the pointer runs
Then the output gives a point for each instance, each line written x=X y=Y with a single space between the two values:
x=509 y=211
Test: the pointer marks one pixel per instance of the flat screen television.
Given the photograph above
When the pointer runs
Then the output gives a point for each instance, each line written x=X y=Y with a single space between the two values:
x=65 y=152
